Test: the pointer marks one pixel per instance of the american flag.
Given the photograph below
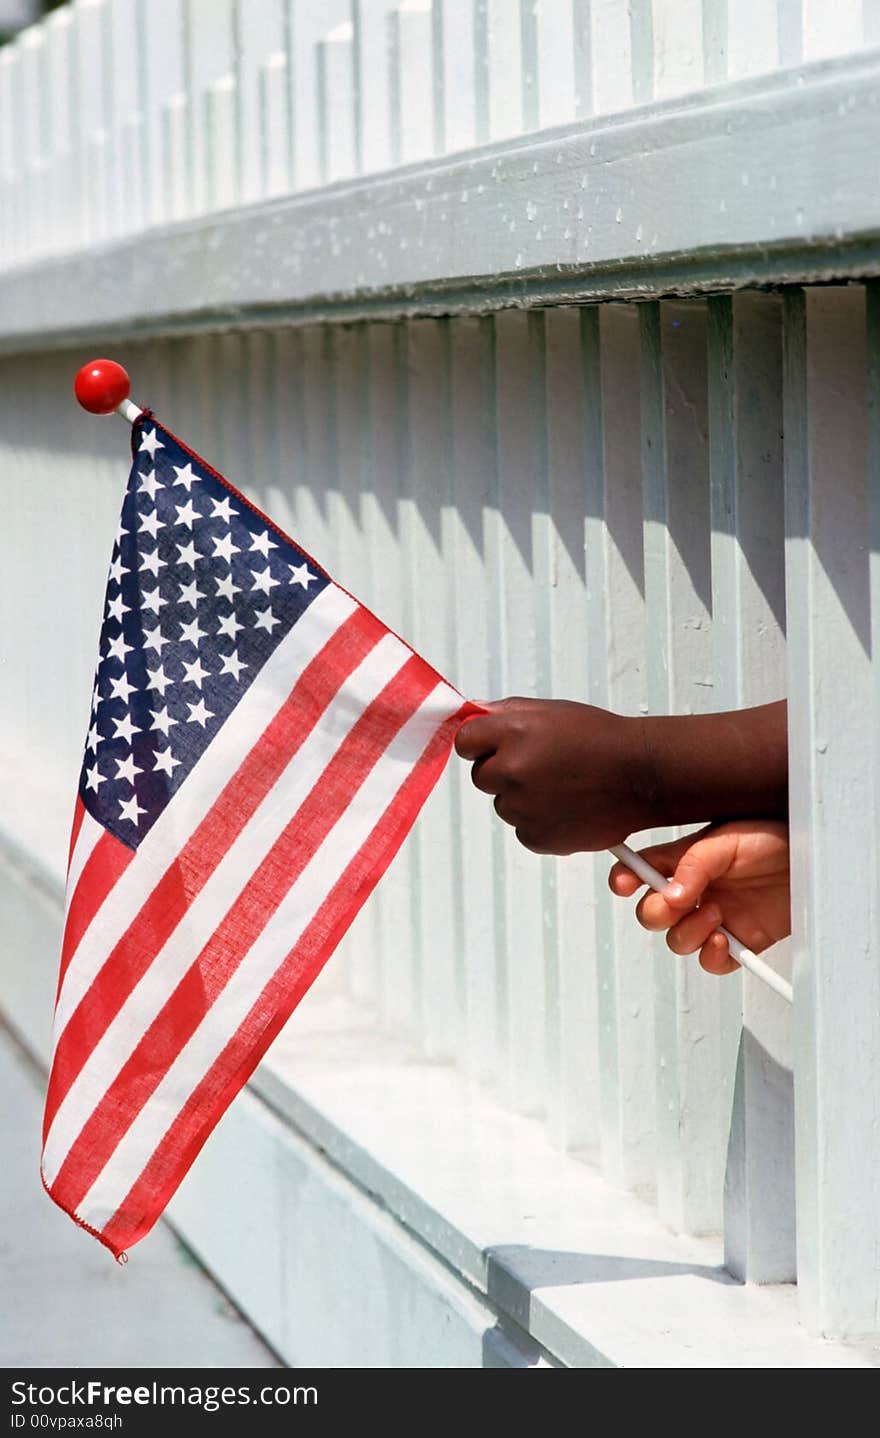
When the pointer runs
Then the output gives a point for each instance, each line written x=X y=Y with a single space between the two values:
x=259 y=747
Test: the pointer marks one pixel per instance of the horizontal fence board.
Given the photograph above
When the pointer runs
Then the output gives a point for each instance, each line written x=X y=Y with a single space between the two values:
x=778 y=186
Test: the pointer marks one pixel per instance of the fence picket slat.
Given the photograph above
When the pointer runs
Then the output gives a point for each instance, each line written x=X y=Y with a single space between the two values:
x=748 y=629
x=616 y=624
x=473 y=486
x=522 y=491
x=562 y=671
x=831 y=740
x=690 y=1151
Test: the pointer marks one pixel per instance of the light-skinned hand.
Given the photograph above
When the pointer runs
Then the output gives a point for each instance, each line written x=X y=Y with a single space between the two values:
x=738 y=874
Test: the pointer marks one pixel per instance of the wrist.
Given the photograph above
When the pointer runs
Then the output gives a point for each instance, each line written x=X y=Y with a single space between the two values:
x=649 y=762
x=695 y=767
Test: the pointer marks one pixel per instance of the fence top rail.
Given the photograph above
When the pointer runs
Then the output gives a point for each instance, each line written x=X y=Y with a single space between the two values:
x=757 y=182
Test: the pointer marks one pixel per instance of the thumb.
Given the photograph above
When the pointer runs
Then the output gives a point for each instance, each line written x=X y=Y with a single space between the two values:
x=706 y=858
x=513 y=701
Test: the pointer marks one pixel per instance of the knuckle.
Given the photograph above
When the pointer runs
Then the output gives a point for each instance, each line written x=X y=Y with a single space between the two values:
x=503 y=810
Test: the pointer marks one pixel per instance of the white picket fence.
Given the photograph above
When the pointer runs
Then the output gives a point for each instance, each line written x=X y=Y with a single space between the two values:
x=439 y=381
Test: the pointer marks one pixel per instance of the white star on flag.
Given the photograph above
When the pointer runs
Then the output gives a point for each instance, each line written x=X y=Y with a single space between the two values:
x=126 y=768
x=266 y=620
x=264 y=581
x=190 y=594
x=154 y=639
x=94 y=777
x=158 y=680
x=199 y=713
x=162 y=721
x=186 y=513
x=150 y=443
x=150 y=563
x=120 y=687
x=232 y=665
x=124 y=729
x=195 y=674
x=149 y=483
x=262 y=543
x=224 y=548
x=117 y=648
x=300 y=574
x=221 y=509
x=152 y=599
x=191 y=633
x=227 y=588
x=185 y=476
x=130 y=808
x=229 y=626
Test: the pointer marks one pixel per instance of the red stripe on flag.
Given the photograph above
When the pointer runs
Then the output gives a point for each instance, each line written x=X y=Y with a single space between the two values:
x=187 y=875
x=79 y=810
x=244 y=922
x=108 y=860
x=191 y=1128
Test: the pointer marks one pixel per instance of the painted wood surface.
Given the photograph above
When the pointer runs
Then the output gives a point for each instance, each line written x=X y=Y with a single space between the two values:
x=831 y=741
x=617 y=680
x=748 y=632
x=187 y=108
x=580 y=500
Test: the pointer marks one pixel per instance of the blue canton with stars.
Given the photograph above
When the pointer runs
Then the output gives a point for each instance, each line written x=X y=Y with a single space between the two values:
x=201 y=591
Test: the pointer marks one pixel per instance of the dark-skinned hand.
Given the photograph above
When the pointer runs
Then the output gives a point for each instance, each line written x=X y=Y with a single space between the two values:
x=567 y=776
x=571 y=777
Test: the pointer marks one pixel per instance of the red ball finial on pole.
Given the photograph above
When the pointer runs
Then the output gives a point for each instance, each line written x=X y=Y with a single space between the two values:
x=102 y=386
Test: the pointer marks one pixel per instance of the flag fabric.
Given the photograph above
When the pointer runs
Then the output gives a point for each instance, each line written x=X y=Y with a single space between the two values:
x=259 y=747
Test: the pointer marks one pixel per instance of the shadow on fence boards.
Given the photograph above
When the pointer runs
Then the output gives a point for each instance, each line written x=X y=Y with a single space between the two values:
x=551 y=331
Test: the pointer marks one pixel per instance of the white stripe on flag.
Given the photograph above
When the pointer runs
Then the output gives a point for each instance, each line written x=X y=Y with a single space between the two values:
x=222 y=889
x=90 y=831
x=280 y=935
x=178 y=821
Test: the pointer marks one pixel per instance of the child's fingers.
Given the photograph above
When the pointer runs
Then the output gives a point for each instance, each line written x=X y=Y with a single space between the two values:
x=703 y=861
x=653 y=912
x=664 y=857
x=623 y=882
x=691 y=932
x=715 y=956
